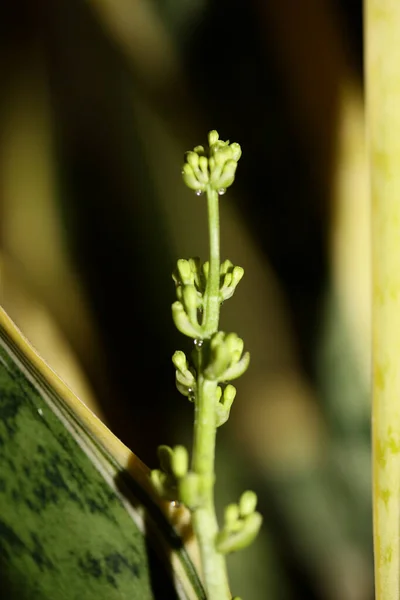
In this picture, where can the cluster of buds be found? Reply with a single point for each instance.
(241, 524)
(230, 275)
(215, 168)
(184, 376)
(226, 358)
(224, 400)
(185, 379)
(173, 481)
(190, 279)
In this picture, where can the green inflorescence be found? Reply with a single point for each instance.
(217, 359)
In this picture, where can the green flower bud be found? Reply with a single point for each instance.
(190, 298)
(227, 176)
(220, 362)
(231, 280)
(196, 270)
(237, 275)
(229, 395)
(226, 266)
(157, 479)
(220, 357)
(185, 272)
(192, 158)
(191, 180)
(179, 361)
(191, 301)
(236, 370)
(213, 137)
(231, 514)
(225, 405)
(236, 151)
(179, 461)
(165, 457)
(164, 485)
(183, 323)
(203, 164)
(227, 280)
(235, 345)
(185, 380)
(247, 503)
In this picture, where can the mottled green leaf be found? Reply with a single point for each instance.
(77, 516)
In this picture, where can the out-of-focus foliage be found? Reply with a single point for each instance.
(79, 517)
(99, 101)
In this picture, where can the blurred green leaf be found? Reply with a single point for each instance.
(74, 521)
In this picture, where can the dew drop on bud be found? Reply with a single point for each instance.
(199, 192)
(198, 343)
(221, 191)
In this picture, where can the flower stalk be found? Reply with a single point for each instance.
(217, 358)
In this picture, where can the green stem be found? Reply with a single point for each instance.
(204, 517)
(205, 427)
(212, 304)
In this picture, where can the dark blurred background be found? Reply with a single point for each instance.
(99, 100)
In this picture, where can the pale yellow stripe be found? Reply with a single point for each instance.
(383, 122)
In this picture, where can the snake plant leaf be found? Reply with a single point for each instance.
(78, 517)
